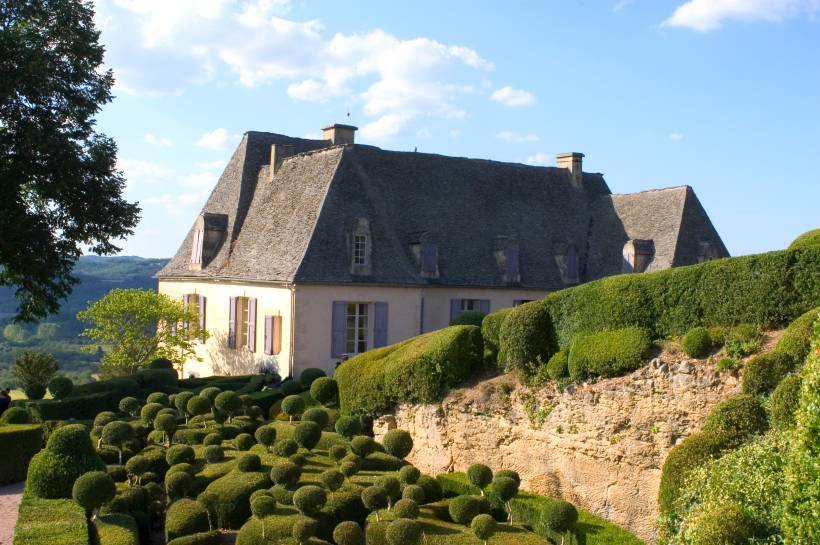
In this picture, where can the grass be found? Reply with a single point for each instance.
(117, 529)
(592, 530)
(50, 522)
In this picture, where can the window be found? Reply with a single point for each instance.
(360, 249)
(471, 305)
(242, 323)
(198, 302)
(356, 331)
(242, 311)
(273, 335)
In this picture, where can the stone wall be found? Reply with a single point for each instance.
(600, 446)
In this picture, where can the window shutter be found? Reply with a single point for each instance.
(252, 325)
(196, 247)
(268, 335)
(455, 309)
(337, 342)
(380, 326)
(232, 323)
(429, 258)
(277, 335)
(484, 306)
(202, 313)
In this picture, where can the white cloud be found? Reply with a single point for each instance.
(621, 5)
(217, 139)
(384, 128)
(199, 180)
(512, 136)
(158, 140)
(539, 159)
(139, 173)
(706, 15)
(212, 165)
(675, 136)
(511, 97)
(177, 203)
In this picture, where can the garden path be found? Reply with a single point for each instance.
(10, 497)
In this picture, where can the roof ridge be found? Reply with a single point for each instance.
(652, 190)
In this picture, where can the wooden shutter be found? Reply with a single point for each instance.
(429, 258)
(252, 324)
(268, 347)
(338, 323)
(202, 313)
(196, 247)
(380, 325)
(277, 335)
(232, 323)
(455, 309)
(484, 306)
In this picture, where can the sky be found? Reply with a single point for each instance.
(721, 95)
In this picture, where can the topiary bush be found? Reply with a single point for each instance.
(483, 526)
(398, 443)
(796, 340)
(348, 533)
(292, 406)
(229, 402)
(213, 454)
(177, 484)
(764, 372)
(117, 434)
(409, 474)
(526, 339)
(213, 438)
(691, 453)
(469, 317)
(286, 447)
(160, 363)
(91, 490)
(248, 462)
(608, 353)
(309, 499)
(557, 366)
(15, 415)
(243, 441)
(406, 508)
(317, 415)
(374, 498)
(129, 406)
(463, 509)
(432, 488)
(413, 492)
(559, 516)
(307, 434)
(325, 390)
(348, 426)
(290, 387)
(737, 419)
(149, 412)
(304, 529)
(490, 330)
(179, 454)
(480, 476)
(310, 374)
(68, 454)
(185, 517)
(265, 436)
(403, 532)
(785, 401)
(362, 446)
(808, 240)
(158, 397)
(285, 473)
(742, 340)
(725, 524)
(60, 386)
(697, 343)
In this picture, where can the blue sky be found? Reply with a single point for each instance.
(722, 95)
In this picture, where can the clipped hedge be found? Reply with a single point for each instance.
(234, 491)
(79, 407)
(737, 419)
(527, 338)
(765, 289)
(202, 538)
(50, 522)
(697, 343)
(764, 372)
(558, 365)
(796, 340)
(809, 239)
(117, 529)
(68, 454)
(185, 517)
(490, 330)
(688, 455)
(418, 370)
(785, 401)
(20, 443)
(608, 353)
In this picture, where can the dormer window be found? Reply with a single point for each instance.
(360, 246)
(506, 257)
(566, 258)
(208, 234)
(637, 254)
(360, 249)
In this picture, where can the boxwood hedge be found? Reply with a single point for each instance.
(526, 339)
(117, 529)
(185, 517)
(796, 340)
(234, 491)
(418, 370)
(50, 522)
(608, 353)
(20, 443)
(688, 455)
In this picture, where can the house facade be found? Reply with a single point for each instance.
(308, 251)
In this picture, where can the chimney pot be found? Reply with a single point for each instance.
(339, 134)
(574, 162)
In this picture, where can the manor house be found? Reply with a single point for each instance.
(308, 251)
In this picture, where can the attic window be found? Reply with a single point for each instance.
(360, 249)
(637, 254)
(360, 246)
(208, 234)
(506, 257)
(566, 259)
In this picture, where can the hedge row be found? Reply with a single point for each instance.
(609, 353)
(50, 522)
(20, 442)
(82, 408)
(234, 491)
(418, 370)
(764, 289)
(117, 529)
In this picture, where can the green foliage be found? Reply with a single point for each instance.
(20, 443)
(375, 497)
(469, 317)
(432, 488)
(117, 433)
(117, 529)
(158, 397)
(265, 436)
(127, 321)
(93, 489)
(248, 462)
(349, 468)
(290, 387)
(180, 454)
(303, 529)
(801, 526)
(691, 453)
(285, 473)
(213, 438)
(68, 454)
(197, 405)
(348, 533)
(213, 537)
(15, 415)
(233, 493)
(796, 340)
(210, 393)
(737, 419)
(307, 376)
(177, 484)
(129, 405)
(609, 353)
(229, 402)
(325, 390)
(418, 370)
(286, 447)
(160, 363)
(332, 479)
(463, 509)
(785, 401)
(185, 517)
(726, 364)
(480, 476)
(742, 340)
(526, 339)
(317, 415)
(32, 371)
(724, 524)
(809, 239)
(309, 499)
(348, 426)
(362, 445)
(307, 434)
(490, 330)
(293, 405)
(483, 526)
(406, 508)
(765, 371)
(60, 386)
(413, 492)
(213, 454)
(398, 443)
(409, 474)
(697, 343)
(403, 532)
(50, 522)
(559, 516)
(243, 441)
(558, 365)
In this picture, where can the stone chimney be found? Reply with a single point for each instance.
(339, 135)
(278, 153)
(574, 162)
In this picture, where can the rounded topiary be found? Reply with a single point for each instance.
(177, 484)
(406, 508)
(349, 468)
(362, 446)
(480, 476)
(180, 401)
(265, 436)
(409, 474)
(197, 406)
(809, 239)
(559, 516)
(68, 454)
(34, 391)
(303, 529)
(158, 397)
(185, 517)
(214, 438)
(526, 338)
(161, 363)
(557, 365)
(117, 433)
(60, 386)
(167, 424)
(210, 393)
(248, 462)
(129, 406)
(290, 387)
(463, 509)
(469, 317)
(213, 454)
(316, 414)
(117, 473)
(228, 402)
(310, 374)
(309, 499)
(104, 418)
(281, 494)
(243, 441)
(91, 490)
(220, 416)
(403, 532)
(413, 492)
(285, 473)
(393, 487)
(15, 415)
(286, 447)
(348, 533)
(337, 452)
(737, 419)
(785, 400)
(179, 454)
(332, 479)
(184, 467)
(398, 443)
(263, 505)
(149, 412)
(697, 343)
(325, 390)
(725, 524)
(764, 372)
(292, 406)
(375, 497)
(483, 526)
(695, 451)
(298, 459)
(136, 466)
(307, 434)
(348, 426)
(509, 473)
(796, 340)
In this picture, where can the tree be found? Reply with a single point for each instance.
(91, 490)
(32, 371)
(61, 188)
(116, 434)
(229, 402)
(140, 326)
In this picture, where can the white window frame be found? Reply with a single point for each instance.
(360, 249)
(357, 337)
(470, 305)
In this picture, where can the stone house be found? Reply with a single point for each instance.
(311, 250)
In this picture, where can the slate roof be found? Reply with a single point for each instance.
(295, 226)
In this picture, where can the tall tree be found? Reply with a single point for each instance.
(59, 186)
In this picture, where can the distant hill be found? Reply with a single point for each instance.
(59, 333)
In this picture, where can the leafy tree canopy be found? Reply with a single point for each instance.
(59, 186)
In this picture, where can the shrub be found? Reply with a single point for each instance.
(60, 386)
(697, 343)
(693, 452)
(737, 419)
(332, 479)
(309, 499)
(348, 426)
(290, 387)
(725, 524)
(609, 353)
(298, 459)
(15, 415)
(248, 462)
(117, 433)
(317, 415)
(796, 340)
(409, 474)
(68, 454)
(337, 453)
(160, 363)
(764, 371)
(177, 484)
(213, 438)
(413, 492)
(185, 517)
(167, 424)
(158, 397)
(233, 492)
(510, 474)
(463, 509)
(265, 436)
(213, 537)
(349, 469)
(136, 466)
(527, 338)
(303, 529)
(406, 508)
(179, 454)
(479, 476)
(183, 467)
(362, 446)
(307, 434)
(243, 441)
(504, 489)
(286, 447)
(197, 406)
(228, 402)
(324, 390)
(263, 506)
(403, 532)
(293, 405)
(129, 406)
(375, 497)
(210, 393)
(559, 516)
(432, 488)
(307, 376)
(20, 442)
(32, 371)
(392, 485)
(348, 533)
(742, 340)
(483, 527)
(490, 330)
(213, 454)
(809, 239)
(785, 400)
(726, 364)
(469, 317)
(557, 366)
(418, 370)
(398, 443)
(156, 379)
(93, 489)
(285, 473)
(149, 412)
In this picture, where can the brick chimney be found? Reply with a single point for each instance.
(574, 162)
(339, 134)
